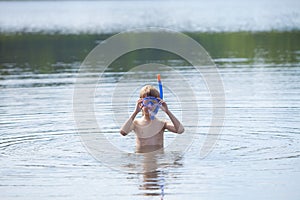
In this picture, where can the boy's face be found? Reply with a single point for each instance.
(145, 110)
(150, 105)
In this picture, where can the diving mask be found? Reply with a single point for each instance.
(152, 104)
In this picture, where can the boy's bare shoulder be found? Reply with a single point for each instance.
(137, 121)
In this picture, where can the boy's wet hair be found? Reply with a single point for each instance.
(149, 90)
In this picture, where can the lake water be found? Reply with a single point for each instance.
(257, 155)
(116, 16)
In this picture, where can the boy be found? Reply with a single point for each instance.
(150, 133)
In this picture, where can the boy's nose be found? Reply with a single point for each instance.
(145, 109)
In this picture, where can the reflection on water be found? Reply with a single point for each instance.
(153, 184)
(258, 154)
(153, 179)
(153, 174)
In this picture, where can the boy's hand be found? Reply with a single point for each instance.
(138, 106)
(164, 105)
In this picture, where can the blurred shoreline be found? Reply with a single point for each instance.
(54, 52)
(52, 35)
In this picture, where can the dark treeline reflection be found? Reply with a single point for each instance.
(51, 53)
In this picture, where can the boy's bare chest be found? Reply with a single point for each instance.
(150, 129)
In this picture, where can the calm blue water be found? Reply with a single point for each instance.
(257, 155)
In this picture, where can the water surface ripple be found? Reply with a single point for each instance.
(258, 151)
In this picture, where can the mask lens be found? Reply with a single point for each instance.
(150, 102)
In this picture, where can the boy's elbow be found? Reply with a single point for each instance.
(180, 130)
(123, 133)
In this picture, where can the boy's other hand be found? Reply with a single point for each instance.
(139, 105)
(164, 105)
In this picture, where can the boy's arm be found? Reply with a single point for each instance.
(175, 126)
(128, 125)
